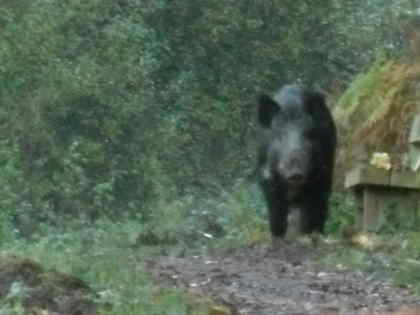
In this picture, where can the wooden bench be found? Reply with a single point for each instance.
(384, 195)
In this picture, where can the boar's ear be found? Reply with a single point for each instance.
(320, 112)
(267, 109)
(316, 103)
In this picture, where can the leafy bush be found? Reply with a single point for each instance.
(12, 202)
(108, 107)
(235, 216)
(101, 255)
(341, 213)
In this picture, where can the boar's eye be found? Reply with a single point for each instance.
(315, 103)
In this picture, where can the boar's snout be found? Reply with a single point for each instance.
(296, 180)
(294, 169)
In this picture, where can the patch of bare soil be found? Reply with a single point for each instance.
(42, 291)
(260, 281)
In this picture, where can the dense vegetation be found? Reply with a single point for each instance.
(109, 106)
(143, 111)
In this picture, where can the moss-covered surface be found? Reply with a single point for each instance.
(26, 283)
(377, 110)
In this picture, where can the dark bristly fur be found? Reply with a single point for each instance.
(296, 157)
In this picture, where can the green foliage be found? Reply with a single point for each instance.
(14, 309)
(242, 214)
(341, 213)
(102, 255)
(111, 107)
(352, 106)
(109, 254)
(408, 274)
(395, 256)
(129, 123)
(11, 182)
(235, 216)
(407, 260)
(79, 125)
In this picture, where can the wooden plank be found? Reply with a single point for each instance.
(372, 210)
(414, 136)
(405, 180)
(415, 140)
(367, 175)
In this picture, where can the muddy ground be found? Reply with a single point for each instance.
(258, 280)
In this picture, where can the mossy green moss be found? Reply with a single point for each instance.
(361, 98)
(377, 109)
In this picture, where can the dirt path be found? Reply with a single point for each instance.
(259, 281)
